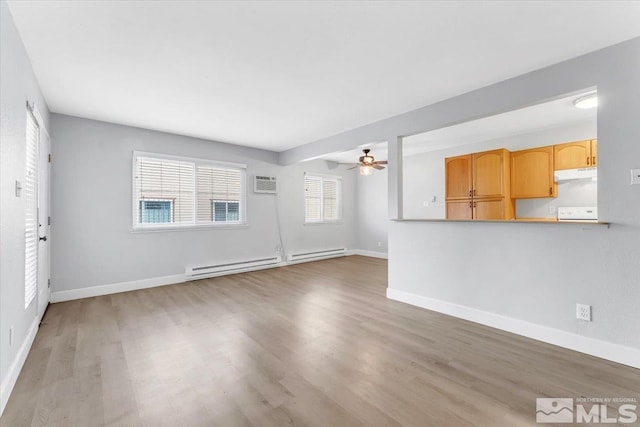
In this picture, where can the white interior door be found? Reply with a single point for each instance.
(43, 294)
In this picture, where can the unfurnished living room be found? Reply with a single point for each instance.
(319, 213)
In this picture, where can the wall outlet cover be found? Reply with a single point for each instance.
(635, 176)
(583, 312)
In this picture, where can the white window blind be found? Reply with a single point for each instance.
(322, 198)
(312, 198)
(216, 188)
(178, 192)
(168, 181)
(30, 192)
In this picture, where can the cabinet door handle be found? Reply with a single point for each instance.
(471, 204)
(593, 161)
(588, 159)
(475, 205)
(474, 191)
(551, 191)
(470, 193)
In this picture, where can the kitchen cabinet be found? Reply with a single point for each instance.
(489, 173)
(489, 209)
(460, 209)
(477, 209)
(471, 179)
(532, 173)
(458, 177)
(573, 155)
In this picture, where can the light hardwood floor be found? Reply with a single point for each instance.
(314, 344)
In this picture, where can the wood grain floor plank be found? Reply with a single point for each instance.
(312, 344)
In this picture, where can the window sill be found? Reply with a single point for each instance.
(136, 230)
(336, 221)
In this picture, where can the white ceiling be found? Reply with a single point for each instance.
(276, 75)
(554, 114)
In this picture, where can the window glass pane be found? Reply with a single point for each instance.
(156, 211)
(233, 211)
(220, 211)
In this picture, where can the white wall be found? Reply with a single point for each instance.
(17, 85)
(535, 273)
(372, 221)
(423, 174)
(92, 241)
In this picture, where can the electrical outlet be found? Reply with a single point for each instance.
(425, 204)
(11, 336)
(583, 312)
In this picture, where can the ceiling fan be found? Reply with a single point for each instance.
(367, 163)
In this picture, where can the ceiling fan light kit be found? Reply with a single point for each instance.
(366, 170)
(367, 163)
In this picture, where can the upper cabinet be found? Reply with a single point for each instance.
(472, 179)
(573, 155)
(458, 177)
(490, 173)
(532, 173)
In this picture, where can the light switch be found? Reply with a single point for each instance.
(635, 176)
(425, 204)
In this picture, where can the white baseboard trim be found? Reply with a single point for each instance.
(614, 352)
(372, 254)
(115, 288)
(135, 285)
(14, 371)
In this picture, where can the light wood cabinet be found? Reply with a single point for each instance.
(472, 178)
(532, 173)
(489, 209)
(458, 177)
(460, 209)
(489, 173)
(572, 155)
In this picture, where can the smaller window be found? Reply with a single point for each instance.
(323, 199)
(226, 211)
(156, 211)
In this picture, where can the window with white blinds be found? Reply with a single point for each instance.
(30, 192)
(175, 192)
(322, 198)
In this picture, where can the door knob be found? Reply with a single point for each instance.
(43, 238)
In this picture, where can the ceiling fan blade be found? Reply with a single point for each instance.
(381, 162)
(353, 167)
(378, 167)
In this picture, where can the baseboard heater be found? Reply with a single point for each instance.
(203, 271)
(329, 253)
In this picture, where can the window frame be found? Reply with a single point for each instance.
(323, 178)
(194, 224)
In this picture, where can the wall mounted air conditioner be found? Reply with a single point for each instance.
(264, 184)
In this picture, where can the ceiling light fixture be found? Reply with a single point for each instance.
(366, 170)
(587, 101)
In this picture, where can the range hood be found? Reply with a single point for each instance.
(572, 174)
